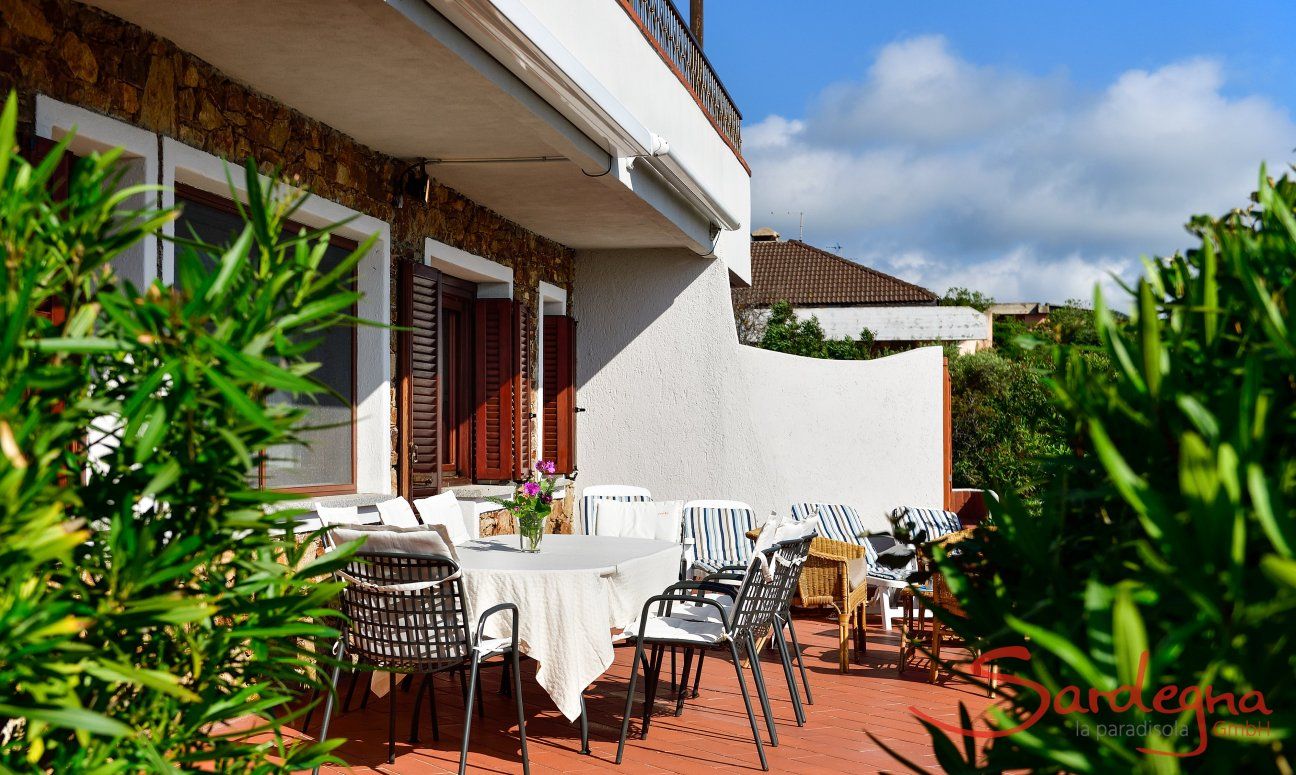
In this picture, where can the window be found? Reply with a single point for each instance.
(325, 464)
(458, 316)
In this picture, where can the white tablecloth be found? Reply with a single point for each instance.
(570, 596)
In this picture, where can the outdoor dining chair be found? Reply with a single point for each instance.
(733, 629)
(404, 612)
(791, 545)
(617, 492)
(718, 530)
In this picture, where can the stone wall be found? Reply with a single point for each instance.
(85, 57)
(88, 58)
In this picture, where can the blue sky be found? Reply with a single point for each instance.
(1026, 148)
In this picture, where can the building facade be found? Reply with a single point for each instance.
(560, 200)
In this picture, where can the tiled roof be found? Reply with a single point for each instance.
(801, 274)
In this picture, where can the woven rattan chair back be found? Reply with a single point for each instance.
(405, 612)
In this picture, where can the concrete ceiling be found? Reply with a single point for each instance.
(367, 70)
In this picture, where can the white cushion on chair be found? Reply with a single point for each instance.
(674, 628)
(443, 509)
(424, 539)
(660, 520)
(397, 513)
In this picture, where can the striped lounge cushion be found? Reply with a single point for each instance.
(838, 522)
(587, 508)
(719, 535)
(931, 523)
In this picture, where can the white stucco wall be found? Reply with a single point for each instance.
(865, 433)
(609, 45)
(673, 402)
(902, 324)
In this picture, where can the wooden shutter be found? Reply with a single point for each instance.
(419, 370)
(496, 375)
(559, 442)
(523, 390)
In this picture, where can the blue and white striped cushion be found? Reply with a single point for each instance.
(933, 523)
(719, 535)
(587, 508)
(836, 521)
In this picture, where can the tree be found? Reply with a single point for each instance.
(146, 604)
(1164, 553)
(785, 333)
(963, 297)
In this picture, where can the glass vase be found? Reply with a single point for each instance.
(531, 531)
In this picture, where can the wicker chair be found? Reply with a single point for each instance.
(405, 613)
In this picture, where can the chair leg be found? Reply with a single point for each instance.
(328, 701)
(432, 708)
(843, 641)
(364, 698)
(935, 650)
(796, 646)
(651, 680)
(751, 716)
(584, 727)
(682, 690)
(355, 679)
(697, 677)
(629, 704)
(391, 718)
(504, 678)
(885, 600)
(672, 671)
(762, 692)
(521, 712)
(781, 646)
(467, 732)
(305, 730)
(418, 703)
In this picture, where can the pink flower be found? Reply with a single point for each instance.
(546, 466)
(531, 488)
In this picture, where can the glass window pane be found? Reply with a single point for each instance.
(325, 459)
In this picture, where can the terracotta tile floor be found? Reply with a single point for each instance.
(711, 736)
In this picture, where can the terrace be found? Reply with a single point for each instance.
(712, 735)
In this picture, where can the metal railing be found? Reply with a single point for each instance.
(662, 20)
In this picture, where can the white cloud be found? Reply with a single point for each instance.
(1023, 186)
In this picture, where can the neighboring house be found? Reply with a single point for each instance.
(847, 297)
(524, 164)
(1029, 312)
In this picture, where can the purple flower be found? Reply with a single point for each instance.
(546, 466)
(546, 499)
(531, 488)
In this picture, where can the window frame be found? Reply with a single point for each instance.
(186, 192)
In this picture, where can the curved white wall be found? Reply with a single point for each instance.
(865, 433)
(673, 402)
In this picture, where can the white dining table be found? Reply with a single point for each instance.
(571, 597)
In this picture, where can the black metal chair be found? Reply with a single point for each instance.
(405, 613)
(730, 628)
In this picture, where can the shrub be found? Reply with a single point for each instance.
(1163, 555)
(146, 604)
(1004, 422)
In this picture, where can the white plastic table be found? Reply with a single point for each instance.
(570, 595)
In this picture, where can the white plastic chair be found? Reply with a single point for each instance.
(617, 492)
(444, 509)
(397, 513)
(715, 533)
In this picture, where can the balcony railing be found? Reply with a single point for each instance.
(666, 28)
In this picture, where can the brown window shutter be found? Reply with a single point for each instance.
(496, 375)
(523, 390)
(560, 392)
(419, 383)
